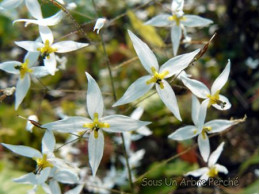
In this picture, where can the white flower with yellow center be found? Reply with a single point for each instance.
(178, 21)
(200, 128)
(95, 125)
(24, 70)
(199, 89)
(213, 168)
(47, 48)
(157, 76)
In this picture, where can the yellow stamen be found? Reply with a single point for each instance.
(177, 19)
(96, 125)
(24, 68)
(204, 131)
(214, 99)
(43, 162)
(157, 78)
(213, 172)
(46, 50)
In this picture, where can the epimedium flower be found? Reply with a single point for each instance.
(200, 128)
(213, 167)
(157, 76)
(25, 70)
(47, 48)
(178, 21)
(95, 125)
(199, 89)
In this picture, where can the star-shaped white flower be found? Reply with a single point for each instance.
(24, 70)
(178, 21)
(95, 125)
(201, 128)
(157, 76)
(48, 49)
(213, 168)
(199, 89)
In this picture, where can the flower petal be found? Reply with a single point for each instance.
(144, 131)
(29, 45)
(196, 87)
(161, 20)
(43, 176)
(195, 21)
(176, 37)
(10, 4)
(50, 21)
(144, 53)
(68, 125)
(121, 123)
(177, 64)
(40, 71)
(219, 125)
(29, 178)
(135, 91)
(32, 58)
(137, 113)
(94, 98)
(23, 150)
(22, 88)
(50, 63)
(221, 79)
(9, 67)
(195, 109)
(34, 8)
(202, 114)
(204, 146)
(203, 179)
(215, 155)
(184, 133)
(177, 6)
(65, 176)
(198, 172)
(54, 187)
(46, 34)
(168, 97)
(221, 168)
(67, 46)
(48, 142)
(95, 150)
(225, 100)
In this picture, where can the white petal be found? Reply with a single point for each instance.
(23, 150)
(195, 21)
(29, 125)
(221, 168)
(29, 178)
(177, 64)
(50, 21)
(50, 63)
(221, 79)
(68, 125)
(196, 87)
(95, 150)
(75, 190)
(135, 91)
(184, 133)
(10, 67)
(22, 88)
(48, 142)
(195, 109)
(40, 71)
(168, 97)
(34, 8)
(137, 113)
(94, 98)
(223, 99)
(176, 37)
(46, 34)
(202, 114)
(198, 172)
(99, 24)
(10, 4)
(144, 53)
(43, 176)
(159, 21)
(219, 125)
(32, 58)
(29, 45)
(215, 155)
(204, 146)
(177, 5)
(67, 46)
(54, 187)
(65, 176)
(203, 179)
(120, 123)
(144, 131)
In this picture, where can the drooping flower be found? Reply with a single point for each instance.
(47, 48)
(200, 128)
(178, 21)
(199, 89)
(157, 76)
(99, 24)
(24, 70)
(95, 125)
(213, 168)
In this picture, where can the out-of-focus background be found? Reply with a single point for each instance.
(236, 25)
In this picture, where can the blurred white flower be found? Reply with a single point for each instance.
(29, 125)
(99, 24)
(252, 63)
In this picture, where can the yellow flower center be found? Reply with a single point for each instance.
(157, 78)
(43, 162)
(214, 99)
(213, 172)
(177, 19)
(204, 131)
(96, 125)
(46, 50)
(23, 68)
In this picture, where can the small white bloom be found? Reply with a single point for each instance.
(99, 24)
(29, 125)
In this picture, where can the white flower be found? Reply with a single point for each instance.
(99, 24)
(213, 168)
(178, 21)
(11, 4)
(95, 125)
(24, 70)
(48, 49)
(157, 76)
(29, 125)
(201, 90)
(201, 128)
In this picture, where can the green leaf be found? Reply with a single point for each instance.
(252, 188)
(252, 160)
